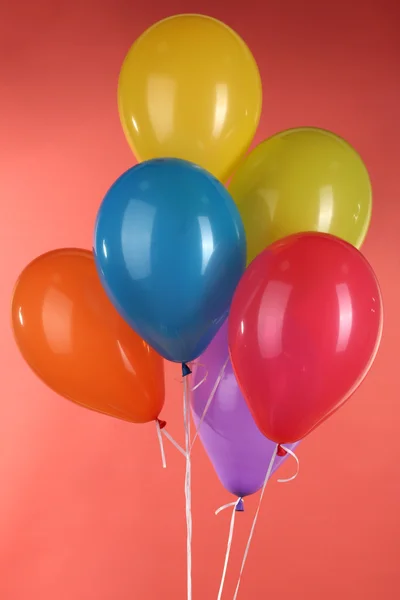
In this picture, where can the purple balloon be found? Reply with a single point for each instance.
(237, 449)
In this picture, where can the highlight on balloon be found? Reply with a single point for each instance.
(258, 289)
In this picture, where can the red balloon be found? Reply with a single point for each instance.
(304, 329)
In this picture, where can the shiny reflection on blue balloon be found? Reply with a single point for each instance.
(170, 249)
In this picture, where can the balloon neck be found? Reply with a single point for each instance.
(281, 451)
(185, 370)
(161, 423)
(239, 505)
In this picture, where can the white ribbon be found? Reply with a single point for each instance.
(188, 476)
(204, 378)
(293, 455)
(187, 453)
(229, 544)
(268, 475)
(271, 464)
(160, 441)
(173, 442)
(168, 435)
(210, 399)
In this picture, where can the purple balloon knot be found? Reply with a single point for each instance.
(240, 505)
(185, 370)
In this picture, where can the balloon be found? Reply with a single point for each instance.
(302, 180)
(304, 329)
(170, 249)
(190, 88)
(72, 337)
(238, 451)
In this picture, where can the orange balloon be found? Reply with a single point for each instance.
(73, 338)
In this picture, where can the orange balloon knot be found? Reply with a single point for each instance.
(161, 423)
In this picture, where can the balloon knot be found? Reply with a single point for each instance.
(161, 423)
(281, 451)
(240, 505)
(185, 370)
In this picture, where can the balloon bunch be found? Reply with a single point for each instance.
(263, 282)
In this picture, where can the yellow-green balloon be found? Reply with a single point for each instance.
(303, 179)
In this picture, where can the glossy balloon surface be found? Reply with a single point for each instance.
(73, 338)
(170, 249)
(190, 88)
(304, 329)
(239, 452)
(303, 179)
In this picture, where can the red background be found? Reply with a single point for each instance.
(86, 512)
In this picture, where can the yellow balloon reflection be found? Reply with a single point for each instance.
(190, 88)
(303, 179)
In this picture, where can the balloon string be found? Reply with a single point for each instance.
(197, 364)
(186, 418)
(169, 437)
(204, 378)
(229, 544)
(160, 441)
(271, 464)
(293, 455)
(210, 399)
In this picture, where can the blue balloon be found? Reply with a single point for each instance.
(170, 249)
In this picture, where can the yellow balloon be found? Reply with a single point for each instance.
(304, 179)
(190, 88)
